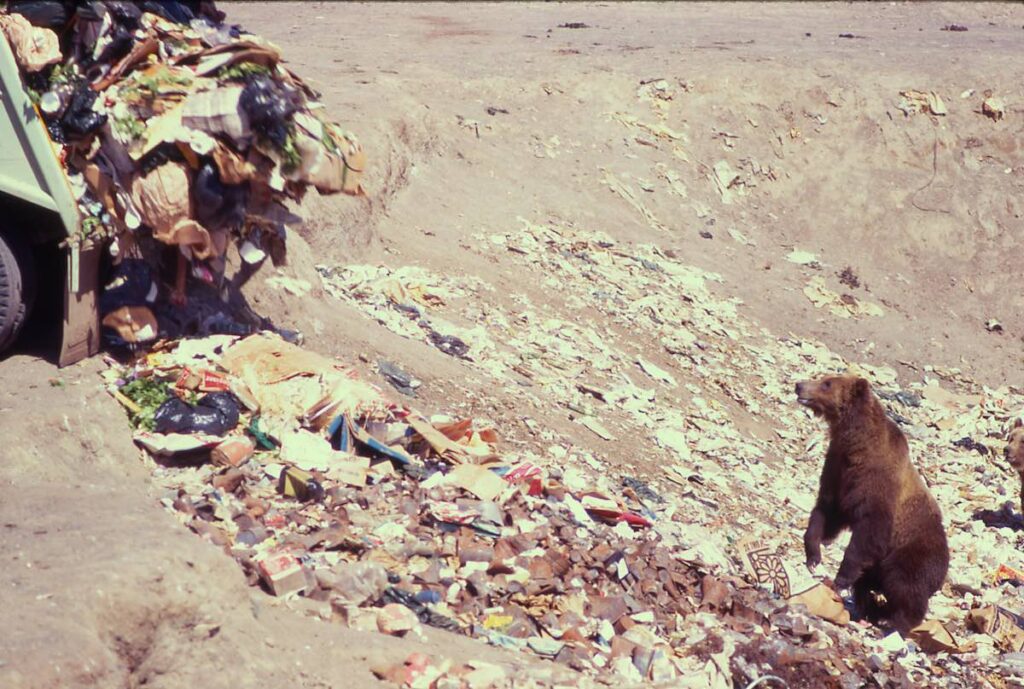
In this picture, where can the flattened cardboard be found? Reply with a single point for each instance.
(481, 482)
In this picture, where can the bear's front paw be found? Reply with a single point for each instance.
(813, 559)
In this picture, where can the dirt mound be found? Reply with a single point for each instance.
(337, 227)
(635, 130)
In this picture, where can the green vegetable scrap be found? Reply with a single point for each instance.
(63, 74)
(291, 156)
(145, 86)
(92, 227)
(242, 71)
(129, 127)
(147, 393)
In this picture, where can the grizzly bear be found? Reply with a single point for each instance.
(1014, 454)
(897, 546)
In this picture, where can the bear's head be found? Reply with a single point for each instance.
(831, 397)
(1014, 451)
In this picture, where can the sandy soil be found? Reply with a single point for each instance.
(103, 588)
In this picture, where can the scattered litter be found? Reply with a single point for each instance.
(741, 238)
(1004, 626)
(848, 277)
(913, 102)
(1006, 573)
(531, 542)
(595, 426)
(933, 637)
(656, 372)
(623, 190)
(282, 573)
(994, 108)
(843, 306)
(802, 258)
(971, 445)
(727, 181)
(399, 379)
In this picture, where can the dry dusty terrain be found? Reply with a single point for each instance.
(477, 116)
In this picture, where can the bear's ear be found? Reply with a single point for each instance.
(1018, 423)
(861, 388)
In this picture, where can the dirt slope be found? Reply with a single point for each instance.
(923, 209)
(104, 589)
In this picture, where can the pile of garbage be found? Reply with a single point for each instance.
(176, 130)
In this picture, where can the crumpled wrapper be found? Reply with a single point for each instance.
(163, 201)
(34, 47)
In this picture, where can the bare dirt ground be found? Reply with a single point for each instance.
(474, 115)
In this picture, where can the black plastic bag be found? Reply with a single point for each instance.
(131, 284)
(269, 107)
(217, 204)
(173, 416)
(50, 14)
(111, 24)
(122, 40)
(127, 14)
(215, 414)
(449, 344)
(79, 119)
(160, 155)
(184, 11)
(422, 611)
(170, 10)
(223, 402)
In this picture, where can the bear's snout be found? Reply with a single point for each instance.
(1012, 459)
(802, 390)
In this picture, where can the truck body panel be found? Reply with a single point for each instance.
(31, 171)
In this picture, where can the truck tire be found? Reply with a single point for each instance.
(17, 287)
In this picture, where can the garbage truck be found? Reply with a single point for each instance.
(38, 209)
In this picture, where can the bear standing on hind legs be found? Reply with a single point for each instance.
(898, 546)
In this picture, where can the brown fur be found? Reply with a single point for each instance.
(1014, 454)
(898, 546)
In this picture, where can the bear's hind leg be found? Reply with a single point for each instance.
(911, 574)
(906, 594)
(907, 614)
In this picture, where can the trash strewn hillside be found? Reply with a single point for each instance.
(368, 512)
(556, 441)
